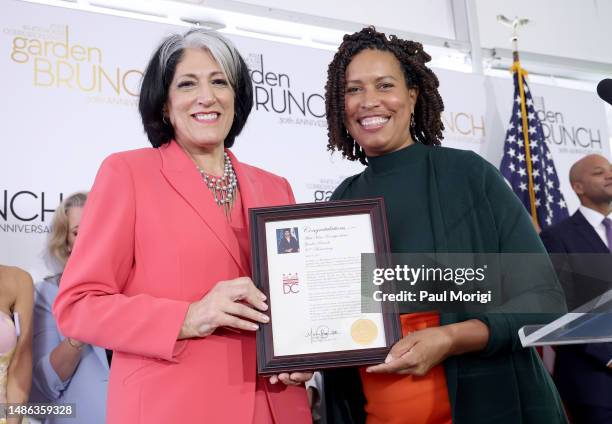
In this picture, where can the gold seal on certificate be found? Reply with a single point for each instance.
(307, 260)
(364, 331)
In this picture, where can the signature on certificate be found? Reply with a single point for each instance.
(320, 334)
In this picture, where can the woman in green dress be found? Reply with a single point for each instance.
(384, 110)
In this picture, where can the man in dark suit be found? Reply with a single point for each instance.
(581, 252)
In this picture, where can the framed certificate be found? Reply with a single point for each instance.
(307, 261)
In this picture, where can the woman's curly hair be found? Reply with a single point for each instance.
(427, 124)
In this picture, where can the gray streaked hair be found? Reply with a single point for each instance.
(160, 71)
(221, 50)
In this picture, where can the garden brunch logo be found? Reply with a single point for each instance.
(273, 92)
(59, 61)
(464, 124)
(566, 136)
(27, 211)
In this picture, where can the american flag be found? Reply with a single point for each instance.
(531, 172)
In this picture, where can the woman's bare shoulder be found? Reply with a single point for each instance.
(15, 281)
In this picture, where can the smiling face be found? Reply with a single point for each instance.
(377, 104)
(200, 103)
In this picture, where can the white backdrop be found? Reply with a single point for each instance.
(70, 82)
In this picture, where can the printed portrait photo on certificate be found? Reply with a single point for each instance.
(288, 240)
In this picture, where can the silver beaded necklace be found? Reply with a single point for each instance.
(223, 188)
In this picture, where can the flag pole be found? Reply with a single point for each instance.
(516, 68)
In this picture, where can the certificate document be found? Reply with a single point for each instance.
(307, 260)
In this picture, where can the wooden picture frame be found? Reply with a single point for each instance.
(311, 332)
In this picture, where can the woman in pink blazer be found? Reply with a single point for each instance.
(160, 271)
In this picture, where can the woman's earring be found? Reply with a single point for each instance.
(164, 120)
(412, 123)
(349, 137)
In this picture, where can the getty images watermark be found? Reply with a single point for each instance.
(460, 282)
(423, 274)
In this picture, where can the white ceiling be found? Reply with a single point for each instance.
(564, 39)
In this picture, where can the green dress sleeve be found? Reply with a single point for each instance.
(533, 293)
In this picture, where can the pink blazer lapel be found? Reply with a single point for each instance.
(182, 174)
(252, 194)
(251, 190)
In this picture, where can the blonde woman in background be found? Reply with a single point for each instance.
(66, 371)
(16, 298)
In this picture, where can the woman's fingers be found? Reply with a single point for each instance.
(407, 362)
(234, 303)
(243, 311)
(234, 322)
(293, 379)
(300, 377)
(416, 353)
(244, 289)
(398, 357)
(403, 345)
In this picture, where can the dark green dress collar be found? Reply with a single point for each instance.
(396, 160)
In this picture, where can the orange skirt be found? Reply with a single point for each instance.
(398, 399)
